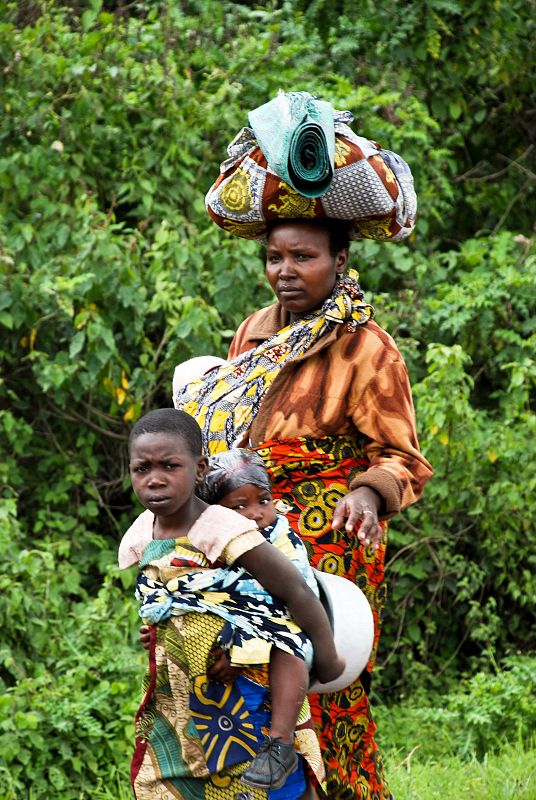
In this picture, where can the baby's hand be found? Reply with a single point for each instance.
(222, 671)
(327, 670)
(145, 636)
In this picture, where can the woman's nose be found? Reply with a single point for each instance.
(286, 269)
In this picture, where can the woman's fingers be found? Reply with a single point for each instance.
(370, 532)
(356, 511)
(347, 513)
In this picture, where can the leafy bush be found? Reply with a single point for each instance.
(115, 118)
(463, 563)
(70, 667)
(486, 713)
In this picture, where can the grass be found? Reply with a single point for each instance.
(476, 741)
(509, 775)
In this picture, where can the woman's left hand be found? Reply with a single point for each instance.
(360, 506)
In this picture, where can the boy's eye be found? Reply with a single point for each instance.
(171, 466)
(238, 507)
(264, 501)
(142, 468)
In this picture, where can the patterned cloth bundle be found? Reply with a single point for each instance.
(300, 159)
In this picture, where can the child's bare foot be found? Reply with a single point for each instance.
(327, 670)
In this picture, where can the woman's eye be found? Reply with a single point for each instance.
(303, 257)
(238, 507)
(264, 501)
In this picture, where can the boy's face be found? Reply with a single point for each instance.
(252, 502)
(164, 472)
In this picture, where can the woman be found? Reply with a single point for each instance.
(321, 392)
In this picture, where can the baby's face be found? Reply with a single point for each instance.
(252, 502)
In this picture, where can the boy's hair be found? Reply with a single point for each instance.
(173, 422)
(231, 470)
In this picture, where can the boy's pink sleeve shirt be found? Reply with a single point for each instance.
(136, 540)
(216, 528)
(212, 533)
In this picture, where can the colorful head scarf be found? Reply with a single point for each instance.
(231, 470)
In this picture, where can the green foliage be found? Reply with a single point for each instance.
(512, 773)
(114, 120)
(464, 554)
(486, 713)
(68, 666)
(473, 67)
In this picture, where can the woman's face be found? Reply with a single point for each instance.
(300, 267)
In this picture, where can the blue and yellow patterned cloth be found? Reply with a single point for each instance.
(255, 620)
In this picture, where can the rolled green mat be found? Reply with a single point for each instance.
(296, 134)
(309, 168)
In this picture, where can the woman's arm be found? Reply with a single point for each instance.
(280, 577)
(383, 413)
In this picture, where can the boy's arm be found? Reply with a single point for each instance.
(280, 577)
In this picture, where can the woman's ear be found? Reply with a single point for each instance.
(341, 260)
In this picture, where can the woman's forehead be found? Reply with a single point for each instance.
(298, 233)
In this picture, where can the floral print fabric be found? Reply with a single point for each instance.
(310, 476)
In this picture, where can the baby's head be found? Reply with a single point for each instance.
(238, 479)
(166, 460)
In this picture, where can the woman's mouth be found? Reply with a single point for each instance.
(288, 291)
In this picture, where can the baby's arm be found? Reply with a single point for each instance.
(280, 577)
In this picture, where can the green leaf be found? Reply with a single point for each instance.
(77, 343)
(6, 319)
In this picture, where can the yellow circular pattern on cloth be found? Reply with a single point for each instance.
(236, 194)
(313, 521)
